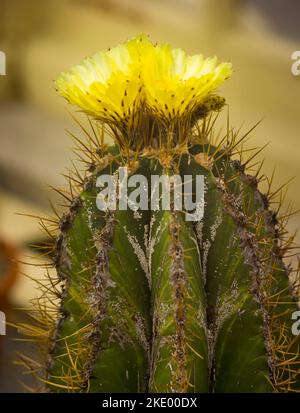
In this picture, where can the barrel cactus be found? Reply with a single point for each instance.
(181, 292)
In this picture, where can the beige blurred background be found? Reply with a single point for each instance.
(41, 38)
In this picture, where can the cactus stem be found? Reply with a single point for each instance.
(183, 346)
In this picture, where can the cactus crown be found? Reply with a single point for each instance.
(145, 300)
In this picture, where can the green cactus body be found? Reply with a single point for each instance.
(153, 302)
(150, 300)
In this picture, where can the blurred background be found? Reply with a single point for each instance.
(41, 38)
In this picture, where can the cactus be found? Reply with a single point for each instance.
(146, 300)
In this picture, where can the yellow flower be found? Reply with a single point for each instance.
(175, 84)
(108, 85)
(114, 86)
